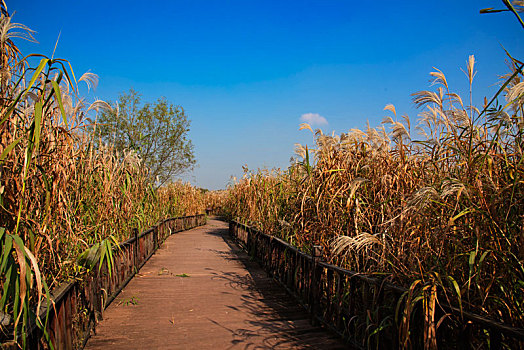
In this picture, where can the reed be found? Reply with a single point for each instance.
(214, 200)
(438, 211)
(60, 191)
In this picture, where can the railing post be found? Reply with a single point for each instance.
(314, 299)
(249, 238)
(135, 248)
(155, 238)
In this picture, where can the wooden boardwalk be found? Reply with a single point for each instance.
(201, 291)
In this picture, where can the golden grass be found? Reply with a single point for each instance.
(59, 193)
(381, 202)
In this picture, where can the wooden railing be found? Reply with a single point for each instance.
(365, 310)
(78, 305)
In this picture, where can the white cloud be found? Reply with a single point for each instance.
(313, 119)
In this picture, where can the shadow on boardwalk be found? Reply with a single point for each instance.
(227, 302)
(255, 288)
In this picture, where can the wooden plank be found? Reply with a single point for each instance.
(227, 301)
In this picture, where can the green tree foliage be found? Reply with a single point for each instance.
(157, 132)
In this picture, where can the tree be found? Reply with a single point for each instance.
(157, 132)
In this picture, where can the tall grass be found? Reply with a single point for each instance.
(214, 200)
(59, 194)
(444, 209)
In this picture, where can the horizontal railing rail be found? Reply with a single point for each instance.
(361, 308)
(78, 305)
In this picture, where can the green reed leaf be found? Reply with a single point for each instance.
(58, 97)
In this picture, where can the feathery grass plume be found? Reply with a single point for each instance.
(422, 98)
(305, 126)
(357, 243)
(453, 187)
(8, 31)
(356, 136)
(300, 150)
(355, 184)
(391, 108)
(515, 95)
(421, 199)
(399, 131)
(470, 69)
(440, 78)
(458, 117)
(90, 79)
(99, 105)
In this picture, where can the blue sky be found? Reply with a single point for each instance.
(245, 71)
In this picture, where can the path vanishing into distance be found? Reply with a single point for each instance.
(201, 291)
